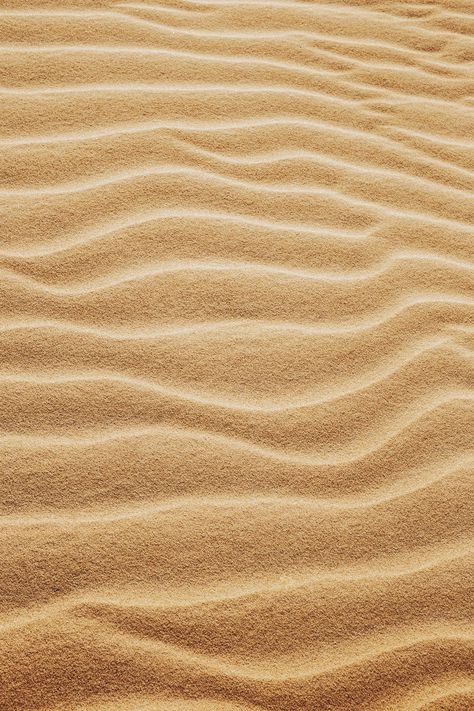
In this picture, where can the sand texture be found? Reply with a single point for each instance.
(236, 355)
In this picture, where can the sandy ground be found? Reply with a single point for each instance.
(236, 371)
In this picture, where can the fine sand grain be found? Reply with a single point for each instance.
(237, 355)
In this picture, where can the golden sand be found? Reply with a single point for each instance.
(236, 337)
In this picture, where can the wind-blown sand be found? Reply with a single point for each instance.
(236, 337)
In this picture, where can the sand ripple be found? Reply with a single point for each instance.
(237, 355)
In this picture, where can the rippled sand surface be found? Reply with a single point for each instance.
(236, 372)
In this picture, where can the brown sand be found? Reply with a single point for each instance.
(236, 337)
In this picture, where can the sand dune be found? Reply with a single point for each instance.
(237, 355)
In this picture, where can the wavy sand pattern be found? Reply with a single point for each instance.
(237, 355)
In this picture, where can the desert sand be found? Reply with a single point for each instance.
(237, 338)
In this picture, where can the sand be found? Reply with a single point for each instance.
(236, 338)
